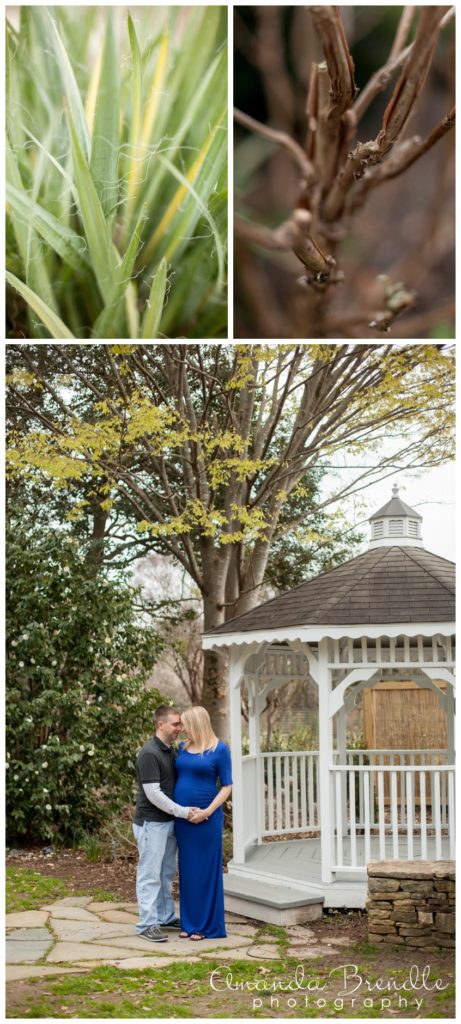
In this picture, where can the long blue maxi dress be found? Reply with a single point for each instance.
(201, 893)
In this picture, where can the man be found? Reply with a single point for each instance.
(153, 827)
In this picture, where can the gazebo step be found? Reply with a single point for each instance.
(276, 904)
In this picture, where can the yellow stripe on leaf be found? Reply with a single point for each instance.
(90, 104)
(152, 105)
(179, 195)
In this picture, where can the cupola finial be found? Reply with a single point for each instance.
(395, 490)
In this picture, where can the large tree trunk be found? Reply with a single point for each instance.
(215, 691)
(215, 663)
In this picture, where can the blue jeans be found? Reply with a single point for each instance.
(156, 870)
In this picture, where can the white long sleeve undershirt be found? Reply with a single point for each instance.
(162, 801)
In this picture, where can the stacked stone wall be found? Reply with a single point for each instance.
(412, 903)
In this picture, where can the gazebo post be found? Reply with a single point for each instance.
(325, 761)
(341, 743)
(235, 678)
(450, 724)
(254, 736)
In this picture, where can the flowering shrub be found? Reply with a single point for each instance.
(77, 707)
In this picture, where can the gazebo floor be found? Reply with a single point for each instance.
(297, 863)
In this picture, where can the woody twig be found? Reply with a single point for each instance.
(336, 91)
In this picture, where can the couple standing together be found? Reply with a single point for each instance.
(179, 810)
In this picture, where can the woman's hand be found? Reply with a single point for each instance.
(199, 816)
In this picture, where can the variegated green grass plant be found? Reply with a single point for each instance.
(116, 159)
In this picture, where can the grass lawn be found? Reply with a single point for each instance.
(29, 890)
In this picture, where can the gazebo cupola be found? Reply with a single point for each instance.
(396, 523)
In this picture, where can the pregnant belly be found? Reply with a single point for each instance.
(196, 795)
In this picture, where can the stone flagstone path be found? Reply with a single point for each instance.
(76, 934)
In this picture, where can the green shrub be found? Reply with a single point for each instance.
(116, 172)
(77, 707)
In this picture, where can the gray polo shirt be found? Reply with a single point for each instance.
(154, 763)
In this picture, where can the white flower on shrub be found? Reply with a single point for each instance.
(48, 807)
(44, 764)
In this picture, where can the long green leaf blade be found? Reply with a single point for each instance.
(195, 205)
(52, 322)
(153, 314)
(69, 246)
(35, 269)
(136, 103)
(105, 145)
(106, 324)
(94, 222)
(69, 84)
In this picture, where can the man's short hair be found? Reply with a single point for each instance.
(163, 713)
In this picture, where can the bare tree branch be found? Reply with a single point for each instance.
(281, 139)
(380, 80)
(336, 91)
(403, 29)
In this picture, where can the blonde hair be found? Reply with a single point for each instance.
(198, 724)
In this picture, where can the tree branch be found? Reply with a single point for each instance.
(411, 150)
(412, 78)
(281, 139)
(336, 91)
(380, 80)
(399, 108)
(403, 29)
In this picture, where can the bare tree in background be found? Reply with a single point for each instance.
(338, 169)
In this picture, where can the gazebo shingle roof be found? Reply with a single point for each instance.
(388, 584)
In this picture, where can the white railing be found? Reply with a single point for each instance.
(284, 788)
(415, 821)
(249, 797)
(289, 794)
(392, 758)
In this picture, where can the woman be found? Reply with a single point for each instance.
(202, 760)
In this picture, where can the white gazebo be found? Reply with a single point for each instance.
(306, 823)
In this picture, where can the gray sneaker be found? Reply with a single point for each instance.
(154, 934)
